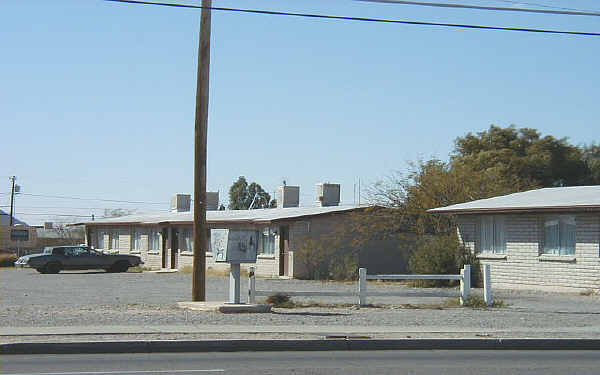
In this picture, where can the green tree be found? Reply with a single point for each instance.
(426, 185)
(524, 154)
(242, 194)
(591, 155)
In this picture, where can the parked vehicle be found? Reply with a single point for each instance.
(56, 259)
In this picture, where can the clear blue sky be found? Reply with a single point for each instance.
(97, 98)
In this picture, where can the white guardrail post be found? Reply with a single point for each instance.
(362, 286)
(465, 283)
(487, 285)
(251, 285)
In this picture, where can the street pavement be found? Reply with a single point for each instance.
(311, 363)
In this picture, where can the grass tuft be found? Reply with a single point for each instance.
(587, 292)
(476, 302)
(281, 300)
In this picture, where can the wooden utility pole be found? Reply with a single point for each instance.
(12, 199)
(200, 132)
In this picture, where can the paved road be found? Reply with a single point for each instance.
(312, 363)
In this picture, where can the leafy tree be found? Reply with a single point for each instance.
(524, 154)
(591, 155)
(427, 185)
(241, 195)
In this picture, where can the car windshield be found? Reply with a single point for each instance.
(47, 250)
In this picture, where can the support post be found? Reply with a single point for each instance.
(465, 283)
(251, 285)
(487, 285)
(200, 135)
(234, 283)
(291, 264)
(362, 286)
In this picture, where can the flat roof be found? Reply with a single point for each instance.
(257, 216)
(574, 198)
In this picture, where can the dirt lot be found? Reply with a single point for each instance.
(30, 299)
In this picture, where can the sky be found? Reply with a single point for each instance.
(97, 98)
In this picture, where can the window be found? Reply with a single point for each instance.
(100, 240)
(186, 238)
(136, 240)
(154, 239)
(113, 239)
(266, 242)
(559, 235)
(491, 235)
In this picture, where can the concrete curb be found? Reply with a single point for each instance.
(159, 346)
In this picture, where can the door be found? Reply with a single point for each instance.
(174, 247)
(284, 250)
(164, 236)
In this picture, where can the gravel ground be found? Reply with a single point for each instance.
(30, 299)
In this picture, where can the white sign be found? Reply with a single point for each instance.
(234, 246)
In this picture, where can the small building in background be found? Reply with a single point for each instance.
(166, 240)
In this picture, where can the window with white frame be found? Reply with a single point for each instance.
(100, 240)
(154, 239)
(559, 235)
(186, 239)
(136, 239)
(113, 240)
(266, 241)
(492, 237)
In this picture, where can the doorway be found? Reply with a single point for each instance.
(164, 238)
(284, 250)
(174, 247)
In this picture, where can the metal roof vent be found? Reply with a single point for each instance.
(181, 203)
(212, 200)
(288, 196)
(328, 194)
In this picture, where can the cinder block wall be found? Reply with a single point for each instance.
(525, 267)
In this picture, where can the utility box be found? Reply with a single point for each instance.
(234, 246)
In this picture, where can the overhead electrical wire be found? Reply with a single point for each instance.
(87, 199)
(480, 7)
(48, 214)
(362, 19)
(542, 5)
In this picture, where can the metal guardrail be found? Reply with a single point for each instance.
(361, 292)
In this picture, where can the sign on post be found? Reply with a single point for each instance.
(234, 246)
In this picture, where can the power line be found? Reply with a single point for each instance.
(47, 214)
(542, 5)
(70, 208)
(88, 199)
(479, 7)
(363, 19)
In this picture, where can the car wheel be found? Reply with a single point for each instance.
(41, 270)
(52, 268)
(120, 266)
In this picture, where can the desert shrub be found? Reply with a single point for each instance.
(325, 259)
(280, 300)
(7, 260)
(442, 255)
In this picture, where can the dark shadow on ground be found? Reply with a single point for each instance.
(307, 313)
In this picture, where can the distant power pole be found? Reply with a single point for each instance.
(12, 199)
(200, 132)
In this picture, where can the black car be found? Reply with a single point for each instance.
(56, 259)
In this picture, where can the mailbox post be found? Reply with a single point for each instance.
(234, 247)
